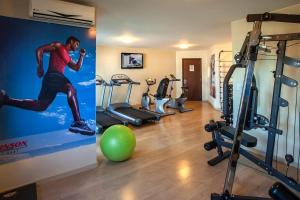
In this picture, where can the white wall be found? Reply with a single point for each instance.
(226, 56)
(46, 167)
(265, 80)
(14, 8)
(203, 54)
(158, 63)
(40, 167)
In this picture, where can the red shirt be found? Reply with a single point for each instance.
(59, 59)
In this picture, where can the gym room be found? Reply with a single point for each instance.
(136, 99)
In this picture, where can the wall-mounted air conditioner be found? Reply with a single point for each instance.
(62, 12)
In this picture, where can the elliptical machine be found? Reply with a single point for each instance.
(177, 103)
(160, 97)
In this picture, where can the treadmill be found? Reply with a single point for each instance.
(125, 110)
(105, 119)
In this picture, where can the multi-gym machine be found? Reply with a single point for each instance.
(223, 132)
(253, 119)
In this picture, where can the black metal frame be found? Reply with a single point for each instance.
(240, 63)
(222, 74)
(253, 120)
(247, 57)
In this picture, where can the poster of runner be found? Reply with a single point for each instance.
(47, 88)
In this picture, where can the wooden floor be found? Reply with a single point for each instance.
(169, 163)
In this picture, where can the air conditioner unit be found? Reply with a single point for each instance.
(62, 12)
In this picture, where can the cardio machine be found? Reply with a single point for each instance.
(177, 103)
(125, 110)
(105, 119)
(146, 99)
(161, 98)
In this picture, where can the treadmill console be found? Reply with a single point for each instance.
(119, 79)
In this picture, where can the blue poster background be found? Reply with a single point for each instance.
(43, 132)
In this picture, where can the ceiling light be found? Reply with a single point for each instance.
(127, 38)
(183, 46)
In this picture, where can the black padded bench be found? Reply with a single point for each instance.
(247, 140)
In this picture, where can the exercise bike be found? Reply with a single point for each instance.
(177, 103)
(146, 99)
(160, 98)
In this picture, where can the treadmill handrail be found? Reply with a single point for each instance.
(135, 83)
(173, 78)
(99, 80)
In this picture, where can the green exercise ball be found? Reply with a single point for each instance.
(117, 143)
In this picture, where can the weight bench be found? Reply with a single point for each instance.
(247, 140)
(219, 132)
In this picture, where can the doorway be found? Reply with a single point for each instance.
(192, 78)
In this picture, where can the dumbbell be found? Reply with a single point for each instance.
(211, 126)
(210, 145)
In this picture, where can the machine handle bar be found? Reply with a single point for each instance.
(273, 17)
(173, 78)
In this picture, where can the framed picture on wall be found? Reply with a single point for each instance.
(212, 77)
(132, 61)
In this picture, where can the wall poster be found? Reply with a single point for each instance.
(47, 88)
(212, 77)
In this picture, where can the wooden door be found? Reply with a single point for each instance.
(192, 78)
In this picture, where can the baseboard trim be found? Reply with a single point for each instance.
(70, 173)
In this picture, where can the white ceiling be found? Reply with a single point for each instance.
(164, 23)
